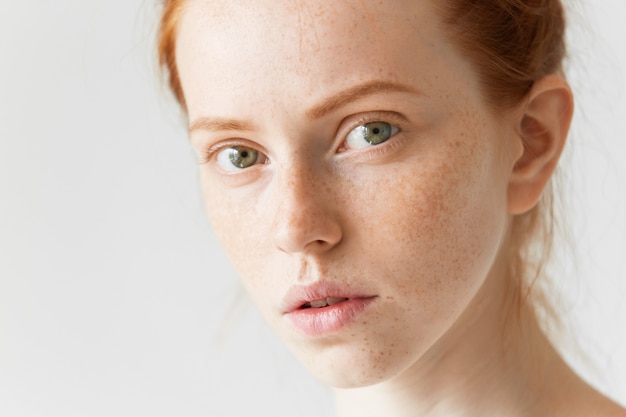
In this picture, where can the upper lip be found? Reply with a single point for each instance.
(299, 295)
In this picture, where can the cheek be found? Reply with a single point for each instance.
(460, 222)
(437, 214)
(431, 234)
(241, 220)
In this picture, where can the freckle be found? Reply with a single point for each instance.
(389, 298)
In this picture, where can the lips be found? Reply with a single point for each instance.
(324, 308)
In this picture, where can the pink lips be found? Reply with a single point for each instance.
(324, 308)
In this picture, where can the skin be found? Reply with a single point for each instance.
(421, 221)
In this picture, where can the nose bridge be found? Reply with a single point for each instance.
(301, 183)
(305, 216)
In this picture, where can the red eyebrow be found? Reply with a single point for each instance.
(219, 123)
(353, 94)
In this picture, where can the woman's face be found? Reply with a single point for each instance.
(350, 160)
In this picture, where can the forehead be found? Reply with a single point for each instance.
(305, 48)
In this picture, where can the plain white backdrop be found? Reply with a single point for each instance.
(113, 291)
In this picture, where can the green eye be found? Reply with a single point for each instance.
(369, 134)
(237, 157)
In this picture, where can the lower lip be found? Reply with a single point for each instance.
(315, 322)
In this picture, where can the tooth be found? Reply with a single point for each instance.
(318, 303)
(330, 300)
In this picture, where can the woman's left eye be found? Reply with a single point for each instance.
(370, 134)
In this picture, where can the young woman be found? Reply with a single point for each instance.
(379, 175)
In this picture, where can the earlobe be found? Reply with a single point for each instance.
(542, 127)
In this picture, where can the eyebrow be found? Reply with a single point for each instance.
(355, 93)
(219, 123)
(318, 111)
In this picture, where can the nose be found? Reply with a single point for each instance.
(306, 218)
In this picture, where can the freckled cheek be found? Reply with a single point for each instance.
(424, 226)
(410, 210)
(239, 227)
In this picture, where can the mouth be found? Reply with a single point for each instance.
(325, 308)
(320, 295)
(322, 302)
(327, 316)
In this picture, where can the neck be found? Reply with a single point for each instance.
(480, 367)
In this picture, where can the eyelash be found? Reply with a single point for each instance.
(392, 118)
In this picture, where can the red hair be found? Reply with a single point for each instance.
(166, 46)
(512, 43)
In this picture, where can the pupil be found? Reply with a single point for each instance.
(376, 131)
(244, 154)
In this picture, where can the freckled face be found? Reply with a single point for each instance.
(346, 144)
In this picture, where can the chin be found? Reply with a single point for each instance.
(353, 365)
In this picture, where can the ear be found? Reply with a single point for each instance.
(542, 129)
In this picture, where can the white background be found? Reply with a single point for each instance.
(112, 288)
